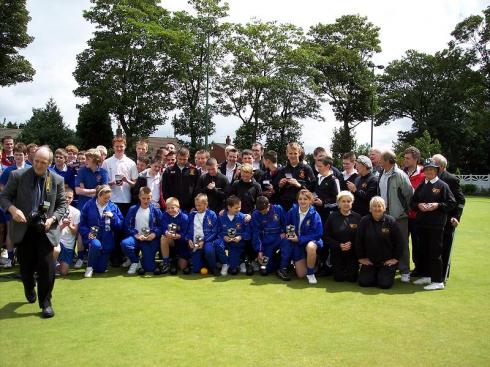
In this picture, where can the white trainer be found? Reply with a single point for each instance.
(78, 264)
(405, 278)
(243, 268)
(311, 278)
(422, 281)
(224, 269)
(133, 268)
(434, 286)
(89, 272)
(126, 263)
(6, 263)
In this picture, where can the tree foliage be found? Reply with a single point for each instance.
(46, 127)
(434, 91)
(127, 65)
(94, 125)
(267, 83)
(344, 51)
(14, 68)
(199, 54)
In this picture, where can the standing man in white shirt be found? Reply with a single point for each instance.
(122, 176)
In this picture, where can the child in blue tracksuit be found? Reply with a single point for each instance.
(233, 231)
(269, 235)
(174, 238)
(201, 233)
(307, 238)
(100, 217)
(142, 225)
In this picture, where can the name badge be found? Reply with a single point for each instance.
(46, 205)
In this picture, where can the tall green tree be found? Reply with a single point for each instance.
(434, 92)
(344, 51)
(127, 65)
(265, 83)
(199, 53)
(14, 68)
(46, 127)
(94, 125)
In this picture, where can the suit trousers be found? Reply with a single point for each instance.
(35, 254)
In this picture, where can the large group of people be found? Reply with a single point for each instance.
(163, 214)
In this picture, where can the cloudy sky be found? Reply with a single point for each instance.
(61, 33)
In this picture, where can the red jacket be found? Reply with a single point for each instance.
(416, 178)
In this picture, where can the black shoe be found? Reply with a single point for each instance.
(31, 296)
(233, 271)
(173, 270)
(324, 271)
(186, 270)
(263, 272)
(250, 270)
(47, 312)
(415, 273)
(165, 268)
(141, 271)
(157, 271)
(283, 274)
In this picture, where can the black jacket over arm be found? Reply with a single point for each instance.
(453, 183)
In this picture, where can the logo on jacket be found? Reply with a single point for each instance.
(353, 225)
(192, 172)
(210, 224)
(436, 191)
(275, 218)
(302, 173)
(364, 185)
(385, 230)
(238, 226)
(308, 222)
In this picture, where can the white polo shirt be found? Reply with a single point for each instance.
(126, 167)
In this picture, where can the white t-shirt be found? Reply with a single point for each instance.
(198, 225)
(154, 184)
(67, 238)
(142, 219)
(125, 167)
(301, 219)
(229, 173)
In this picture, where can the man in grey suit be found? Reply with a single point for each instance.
(35, 197)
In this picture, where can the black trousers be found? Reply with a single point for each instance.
(431, 252)
(447, 244)
(35, 254)
(345, 265)
(382, 276)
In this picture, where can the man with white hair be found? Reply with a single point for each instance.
(35, 197)
(454, 216)
(395, 188)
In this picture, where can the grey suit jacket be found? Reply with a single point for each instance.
(18, 192)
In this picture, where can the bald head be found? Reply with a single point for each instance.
(42, 159)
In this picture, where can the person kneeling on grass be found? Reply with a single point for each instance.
(340, 236)
(307, 236)
(99, 218)
(143, 228)
(269, 235)
(201, 233)
(233, 232)
(69, 233)
(174, 228)
(379, 245)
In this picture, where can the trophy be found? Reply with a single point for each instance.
(231, 232)
(172, 229)
(119, 180)
(93, 232)
(263, 265)
(145, 231)
(290, 231)
(196, 242)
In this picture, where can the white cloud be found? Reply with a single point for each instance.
(61, 33)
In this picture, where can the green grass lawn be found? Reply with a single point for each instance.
(117, 320)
